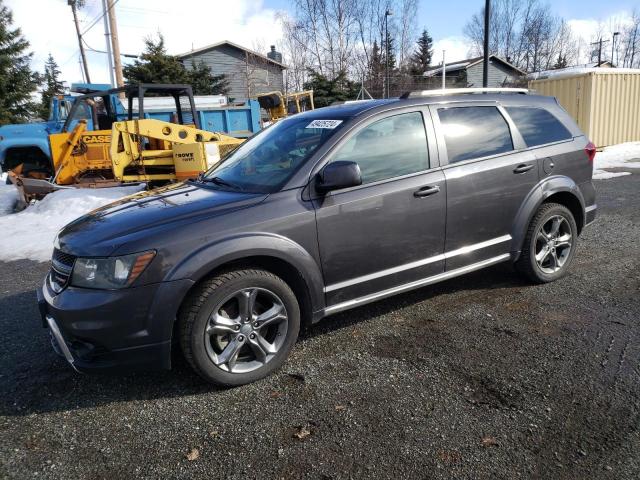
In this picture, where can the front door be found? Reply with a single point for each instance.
(389, 231)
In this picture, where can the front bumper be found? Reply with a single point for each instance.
(99, 330)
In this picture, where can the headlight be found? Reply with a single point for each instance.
(111, 272)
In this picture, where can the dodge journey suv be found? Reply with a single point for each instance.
(319, 213)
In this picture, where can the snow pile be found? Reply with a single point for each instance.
(30, 233)
(8, 197)
(623, 155)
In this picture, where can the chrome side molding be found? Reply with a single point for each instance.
(356, 302)
(417, 263)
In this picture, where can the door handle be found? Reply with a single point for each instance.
(426, 191)
(525, 167)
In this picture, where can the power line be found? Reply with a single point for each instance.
(98, 18)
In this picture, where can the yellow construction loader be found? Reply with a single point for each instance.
(280, 106)
(133, 150)
(153, 150)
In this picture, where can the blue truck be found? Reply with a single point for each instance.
(28, 144)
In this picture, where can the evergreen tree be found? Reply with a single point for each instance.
(388, 47)
(561, 62)
(17, 81)
(204, 82)
(156, 66)
(376, 71)
(52, 86)
(327, 91)
(421, 58)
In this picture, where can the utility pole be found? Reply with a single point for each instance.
(600, 52)
(599, 43)
(72, 4)
(117, 61)
(107, 37)
(386, 56)
(485, 63)
(613, 46)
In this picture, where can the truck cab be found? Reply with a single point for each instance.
(28, 143)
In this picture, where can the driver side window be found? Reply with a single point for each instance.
(391, 147)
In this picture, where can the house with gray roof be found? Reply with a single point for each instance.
(249, 73)
(468, 73)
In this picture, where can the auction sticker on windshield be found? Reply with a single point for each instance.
(330, 124)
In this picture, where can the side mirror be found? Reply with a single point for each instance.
(336, 175)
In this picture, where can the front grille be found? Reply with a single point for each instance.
(63, 259)
(61, 267)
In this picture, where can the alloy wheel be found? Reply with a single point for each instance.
(246, 330)
(553, 243)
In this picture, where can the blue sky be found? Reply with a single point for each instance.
(447, 18)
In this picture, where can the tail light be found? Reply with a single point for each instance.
(590, 150)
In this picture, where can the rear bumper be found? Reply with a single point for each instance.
(100, 330)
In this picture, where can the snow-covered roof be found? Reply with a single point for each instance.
(577, 71)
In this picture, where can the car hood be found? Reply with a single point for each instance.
(24, 130)
(102, 231)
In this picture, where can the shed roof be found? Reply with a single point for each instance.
(470, 62)
(231, 44)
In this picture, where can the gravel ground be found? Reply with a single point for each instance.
(482, 376)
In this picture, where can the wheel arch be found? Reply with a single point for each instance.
(8, 148)
(558, 189)
(278, 255)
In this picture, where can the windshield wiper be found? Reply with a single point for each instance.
(221, 182)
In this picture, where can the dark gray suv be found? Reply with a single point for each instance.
(321, 212)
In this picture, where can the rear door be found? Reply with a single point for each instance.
(552, 143)
(488, 172)
(389, 231)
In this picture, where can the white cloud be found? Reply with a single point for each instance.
(185, 24)
(588, 30)
(456, 48)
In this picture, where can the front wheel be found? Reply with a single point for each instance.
(549, 245)
(239, 326)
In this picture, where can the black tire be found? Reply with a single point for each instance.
(526, 263)
(195, 313)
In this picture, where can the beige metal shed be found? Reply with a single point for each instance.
(605, 102)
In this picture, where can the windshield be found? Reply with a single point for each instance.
(265, 162)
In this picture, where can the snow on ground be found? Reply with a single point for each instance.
(30, 233)
(8, 197)
(623, 155)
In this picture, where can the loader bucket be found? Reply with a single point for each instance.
(31, 188)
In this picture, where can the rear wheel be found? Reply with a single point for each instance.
(549, 245)
(239, 326)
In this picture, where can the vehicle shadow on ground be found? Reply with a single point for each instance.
(35, 380)
(493, 278)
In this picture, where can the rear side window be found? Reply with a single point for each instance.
(474, 132)
(538, 126)
(388, 148)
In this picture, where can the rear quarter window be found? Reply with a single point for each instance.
(538, 126)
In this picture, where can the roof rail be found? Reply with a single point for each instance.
(460, 91)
